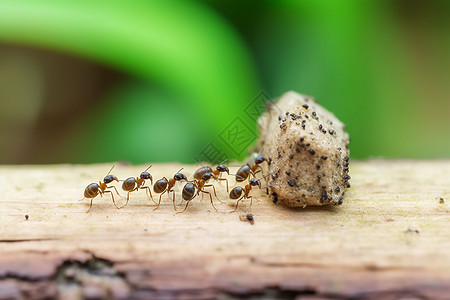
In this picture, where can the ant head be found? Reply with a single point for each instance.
(179, 176)
(110, 178)
(259, 160)
(255, 182)
(207, 176)
(223, 168)
(145, 175)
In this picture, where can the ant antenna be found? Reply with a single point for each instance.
(238, 176)
(223, 161)
(148, 168)
(179, 170)
(267, 175)
(110, 170)
(265, 187)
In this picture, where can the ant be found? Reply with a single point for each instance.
(165, 185)
(95, 189)
(237, 191)
(247, 169)
(132, 184)
(189, 190)
(217, 172)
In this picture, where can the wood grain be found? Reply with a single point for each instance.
(390, 239)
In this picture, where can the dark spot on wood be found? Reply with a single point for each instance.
(290, 182)
(324, 157)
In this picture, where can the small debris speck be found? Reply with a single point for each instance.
(27, 217)
(247, 218)
(441, 200)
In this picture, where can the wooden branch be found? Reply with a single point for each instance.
(389, 239)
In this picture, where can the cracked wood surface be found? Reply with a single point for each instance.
(389, 239)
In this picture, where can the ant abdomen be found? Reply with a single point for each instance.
(236, 192)
(129, 184)
(160, 186)
(199, 173)
(188, 191)
(91, 190)
(242, 173)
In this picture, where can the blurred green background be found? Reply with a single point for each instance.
(139, 81)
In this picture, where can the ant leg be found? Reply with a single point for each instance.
(180, 212)
(146, 188)
(112, 196)
(128, 198)
(159, 202)
(90, 206)
(251, 201)
(210, 196)
(237, 203)
(113, 187)
(226, 182)
(174, 207)
(208, 185)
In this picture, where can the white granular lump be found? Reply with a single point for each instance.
(307, 150)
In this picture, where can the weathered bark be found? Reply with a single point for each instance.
(390, 238)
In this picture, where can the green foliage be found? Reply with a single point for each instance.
(194, 66)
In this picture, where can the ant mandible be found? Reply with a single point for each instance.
(164, 185)
(95, 189)
(221, 168)
(247, 169)
(132, 184)
(189, 190)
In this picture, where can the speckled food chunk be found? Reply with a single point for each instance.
(306, 146)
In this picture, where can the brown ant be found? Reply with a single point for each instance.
(95, 189)
(237, 191)
(164, 185)
(132, 184)
(221, 168)
(189, 190)
(247, 169)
